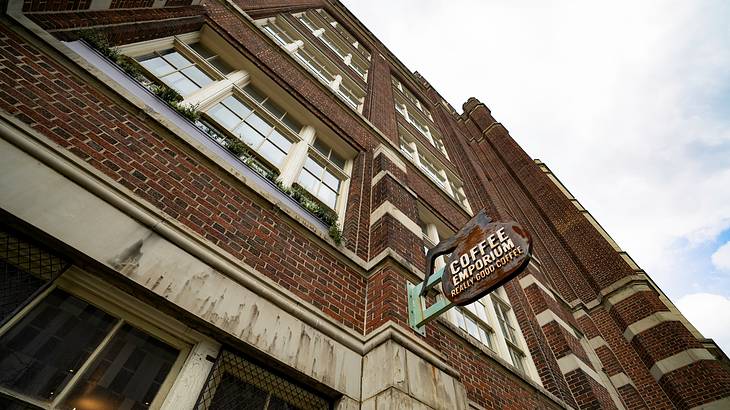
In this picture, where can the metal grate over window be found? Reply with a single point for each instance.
(25, 268)
(235, 383)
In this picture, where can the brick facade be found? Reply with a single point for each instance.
(598, 332)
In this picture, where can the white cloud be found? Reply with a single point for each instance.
(709, 314)
(626, 101)
(721, 259)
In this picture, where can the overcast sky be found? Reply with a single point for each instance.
(628, 102)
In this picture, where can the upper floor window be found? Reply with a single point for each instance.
(416, 114)
(433, 168)
(281, 30)
(234, 109)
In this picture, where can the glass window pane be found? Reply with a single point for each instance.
(40, 354)
(272, 153)
(200, 49)
(259, 124)
(221, 65)
(157, 66)
(327, 196)
(249, 135)
(254, 93)
(280, 141)
(293, 124)
(337, 160)
(331, 181)
(321, 147)
(197, 76)
(239, 107)
(224, 116)
(481, 312)
(313, 167)
(274, 109)
(180, 83)
(177, 59)
(484, 337)
(459, 319)
(126, 375)
(471, 327)
(308, 181)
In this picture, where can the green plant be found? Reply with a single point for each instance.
(100, 42)
(336, 234)
(188, 111)
(238, 148)
(130, 66)
(166, 93)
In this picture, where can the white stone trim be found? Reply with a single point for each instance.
(722, 404)
(678, 361)
(649, 322)
(597, 342)
(625, 293)
(392, 156)
(388, 208)
(571, 362)
(547, 316)
(530, 279)
(620, 380)
(382, 175)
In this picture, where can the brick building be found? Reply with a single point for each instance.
(220, 204)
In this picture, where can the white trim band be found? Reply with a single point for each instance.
(530, 280)
(678, 361)
(620, 380)
(649, 322)
(388, 208)
(571, 362)
(392, 156)
(547, 316)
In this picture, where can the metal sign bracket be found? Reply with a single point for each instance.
(418, 313)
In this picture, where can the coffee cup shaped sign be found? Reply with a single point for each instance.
(485, 255)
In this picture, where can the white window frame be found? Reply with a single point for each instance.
(415, 152)
(186, 376)
(341, 85)
(233, 84)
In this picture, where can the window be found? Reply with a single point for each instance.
(337, 39)
(473, 319)
(416, 114)
(181, 70)
(322, 173)
(509, 331)
(430, 166)
(282, 30)
(237, 113)
(67, 352)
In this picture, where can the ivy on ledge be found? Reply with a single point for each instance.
(235, 146)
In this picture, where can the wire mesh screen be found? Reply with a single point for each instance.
(24, 269)
(235, 383)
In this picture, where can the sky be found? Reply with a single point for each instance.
(628, 103)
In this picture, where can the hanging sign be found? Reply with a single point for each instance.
(485, 255)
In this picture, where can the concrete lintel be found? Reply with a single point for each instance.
(597, 342)
(388, 208)
(649, 322)
(625, 293)
(678, 361)
(382, 174)
(392, 156)
(620, 380)
(547, 316)
(530, 280)
(571, 362)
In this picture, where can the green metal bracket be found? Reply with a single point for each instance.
(418, 313)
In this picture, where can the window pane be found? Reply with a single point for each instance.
(197, 76)
(157, 66)
(459, 319)
(272, 153)
(484, 336)
(481, 312)
(308, 181)
(293, 124)
(274, 109)
(321, 147)
(180, 83)
(331, 181)
(280, 141)
(471, 327)
(177, 60)
(259, 124)
(254, 93)
(221, 65)
(239, 107)
(225, 117)
(204, 52)
(127, 374)
(249, 135)
(313, 167)
(337, 160)
(328, 196)
(40, 354)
